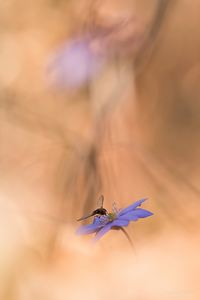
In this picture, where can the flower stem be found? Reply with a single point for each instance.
(128, 238)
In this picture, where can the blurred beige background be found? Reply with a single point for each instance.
(131, 132)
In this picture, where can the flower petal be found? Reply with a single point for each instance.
(130, 216)
(142, 213)
(120, 222)
(74, 64)
(131, 207)
(102, 231)
(87, 229)
(136, 214)
(97, 224)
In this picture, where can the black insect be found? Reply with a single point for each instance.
(99, 211)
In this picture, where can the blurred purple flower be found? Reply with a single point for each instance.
(74, 63)
(115, 220)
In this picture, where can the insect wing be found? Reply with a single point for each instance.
(86, 217)
(100, 201)
(99, 204)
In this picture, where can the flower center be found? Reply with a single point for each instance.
(112, 216)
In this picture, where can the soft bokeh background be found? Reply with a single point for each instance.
(131, 131)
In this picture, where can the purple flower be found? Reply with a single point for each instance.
(115, 220)
(74, 63)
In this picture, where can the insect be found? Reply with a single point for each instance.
(117, 219)
(101, 211)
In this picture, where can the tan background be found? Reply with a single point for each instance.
(131, 133)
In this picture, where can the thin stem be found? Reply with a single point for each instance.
(128, 238)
